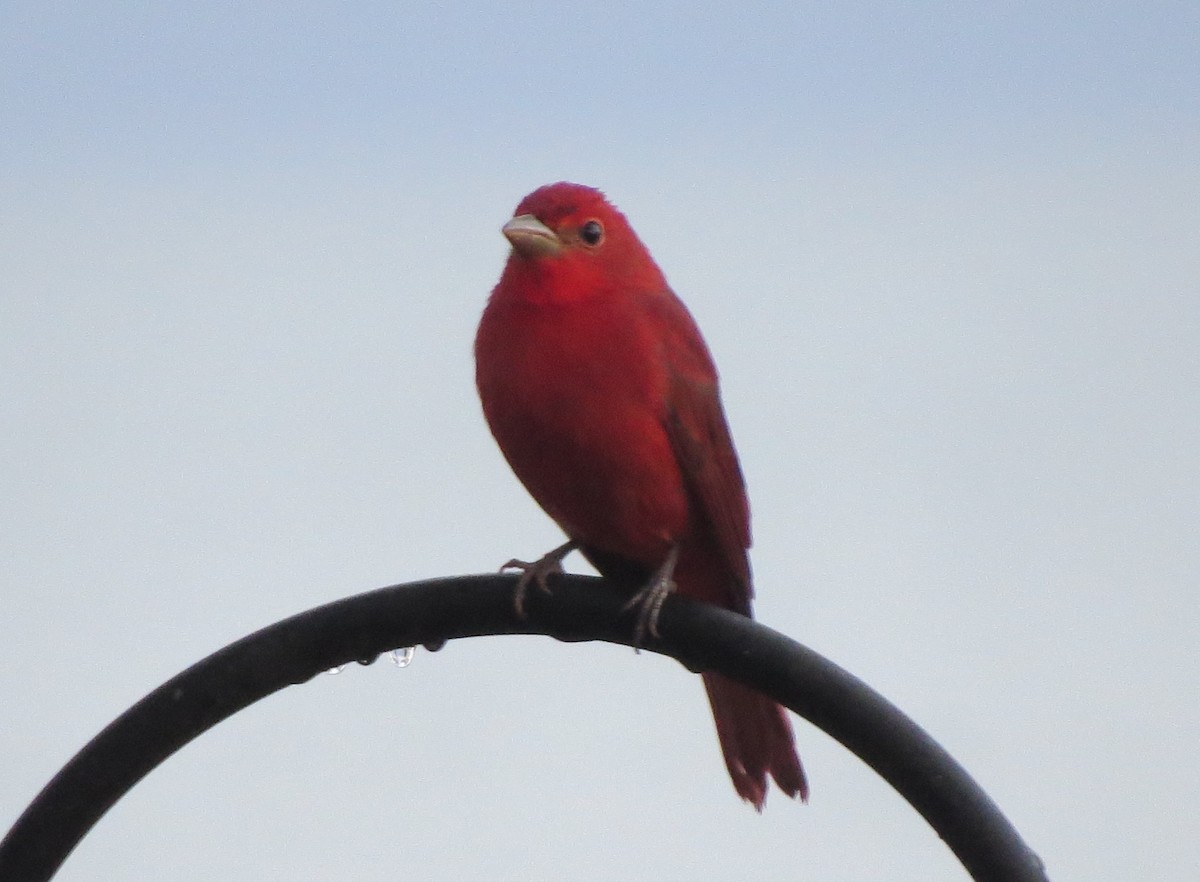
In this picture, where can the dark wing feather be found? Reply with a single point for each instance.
(700, 438)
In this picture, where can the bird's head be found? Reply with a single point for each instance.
(570, 243)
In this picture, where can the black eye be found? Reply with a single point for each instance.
(592, 233)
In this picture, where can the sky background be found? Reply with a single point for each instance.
(946, 255)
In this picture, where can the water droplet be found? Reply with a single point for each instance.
(336, 670)
(403, 657)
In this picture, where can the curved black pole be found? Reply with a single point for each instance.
(701, 636)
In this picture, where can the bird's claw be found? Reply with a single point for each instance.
(536, 573)
(532, 572)
(650, 599)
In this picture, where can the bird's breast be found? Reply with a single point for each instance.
(576, 397)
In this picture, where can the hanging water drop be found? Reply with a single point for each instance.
(403, 657)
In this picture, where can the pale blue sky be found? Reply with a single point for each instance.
(947, 256)
(234, 83)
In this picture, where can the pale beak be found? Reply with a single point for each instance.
(530, 237)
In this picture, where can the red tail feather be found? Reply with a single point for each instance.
(756, 739)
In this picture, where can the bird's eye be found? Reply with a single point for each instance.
(592, 233)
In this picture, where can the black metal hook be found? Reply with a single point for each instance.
(701, 636)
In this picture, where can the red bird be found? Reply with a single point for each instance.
(603, 398)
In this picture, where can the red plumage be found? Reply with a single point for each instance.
(603, 398)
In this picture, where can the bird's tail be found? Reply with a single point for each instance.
(756, 739)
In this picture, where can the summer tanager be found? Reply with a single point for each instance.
(603, 398)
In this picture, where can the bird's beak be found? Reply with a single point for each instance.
(530, 237)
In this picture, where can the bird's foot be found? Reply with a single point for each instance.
(649, 600)
(536, 572)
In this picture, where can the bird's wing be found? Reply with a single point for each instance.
(700, 438)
